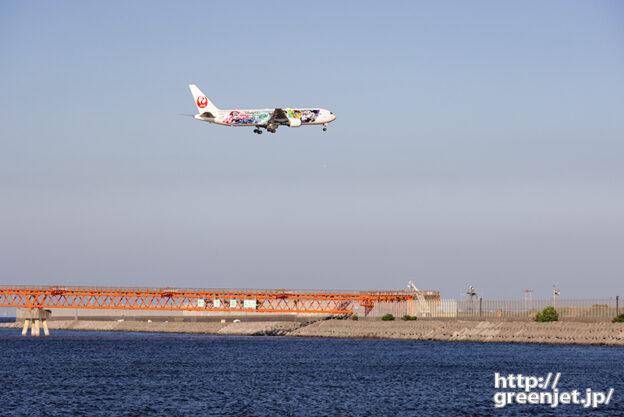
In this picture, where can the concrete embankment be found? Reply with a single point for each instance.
(456, 330)
(476, 331)
(275, 328)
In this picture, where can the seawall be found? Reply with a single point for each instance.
(455, 330)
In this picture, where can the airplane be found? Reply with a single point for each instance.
(269, 119)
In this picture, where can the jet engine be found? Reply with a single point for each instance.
(294, 122)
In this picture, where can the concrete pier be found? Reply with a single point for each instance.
(35, 319)
(46, 331)
(26, 326)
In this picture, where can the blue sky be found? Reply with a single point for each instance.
(475, 144)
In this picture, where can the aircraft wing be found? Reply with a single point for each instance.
(279, 117)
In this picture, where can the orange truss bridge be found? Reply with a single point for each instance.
(276, 301)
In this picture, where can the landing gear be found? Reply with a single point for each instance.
(258, 131)
(324, 127)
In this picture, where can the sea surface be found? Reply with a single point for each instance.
(73, 373)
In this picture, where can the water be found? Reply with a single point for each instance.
(138, 374)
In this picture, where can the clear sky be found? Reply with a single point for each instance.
(476, 143)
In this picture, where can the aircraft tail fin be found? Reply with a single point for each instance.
(201, 101)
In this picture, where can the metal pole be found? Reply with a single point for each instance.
(480, 307)
(617, 305)
(555, 294)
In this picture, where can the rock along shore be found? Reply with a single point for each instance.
(455, 330)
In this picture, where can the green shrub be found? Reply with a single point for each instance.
(548, 314)
(407, 317)
(618, 319)
(388, 317)
(354, 317)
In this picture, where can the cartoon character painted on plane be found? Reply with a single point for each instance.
(308, 116)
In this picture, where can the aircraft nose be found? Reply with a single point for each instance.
(332, 117)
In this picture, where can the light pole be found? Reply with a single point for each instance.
(556, 292)
(471, 293)
(528, 300)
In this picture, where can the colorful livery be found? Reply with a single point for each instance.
(269, 119)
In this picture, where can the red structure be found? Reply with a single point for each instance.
(192, 300)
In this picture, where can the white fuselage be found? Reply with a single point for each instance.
(259, 117)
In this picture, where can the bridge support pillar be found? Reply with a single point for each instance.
(34, 318)
(25, 329)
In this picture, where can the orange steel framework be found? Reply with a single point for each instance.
(224, 301)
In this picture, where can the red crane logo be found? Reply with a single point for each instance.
(202, 102)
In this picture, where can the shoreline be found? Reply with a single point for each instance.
(562, 333)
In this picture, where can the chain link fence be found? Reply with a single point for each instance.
(479, 308)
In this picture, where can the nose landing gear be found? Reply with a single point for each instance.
(324, 127)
